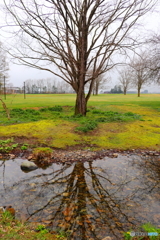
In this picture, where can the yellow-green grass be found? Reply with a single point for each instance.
(60, 133)
(138, 134)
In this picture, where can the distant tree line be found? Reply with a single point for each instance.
(46, 86)
(116, 89)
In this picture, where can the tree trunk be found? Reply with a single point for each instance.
(81, 103)
(139, 92)
(97, 86)
(6, 109)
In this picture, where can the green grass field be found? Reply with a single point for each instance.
(102, 100)
(59, 129)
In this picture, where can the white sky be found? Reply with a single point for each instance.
(18, 74)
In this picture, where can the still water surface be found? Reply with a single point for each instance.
(90, 200)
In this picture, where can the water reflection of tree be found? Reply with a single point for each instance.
(149, 168)
(85, 209)
(3, 166)
(83, 199)
(151, 165)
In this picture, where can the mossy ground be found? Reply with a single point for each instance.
(59, 131)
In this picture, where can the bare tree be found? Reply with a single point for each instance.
(141, 71)
(155, 57)
(28, 85)
(125, 79)
(4, 67)
(66, 87)
(99, 83)
(3, 73)
(49, 85)
(75, 36)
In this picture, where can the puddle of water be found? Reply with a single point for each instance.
(90, 200)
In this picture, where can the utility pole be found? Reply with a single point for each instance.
(4, 87)
(24, 91)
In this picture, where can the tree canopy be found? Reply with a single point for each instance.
(75, 36)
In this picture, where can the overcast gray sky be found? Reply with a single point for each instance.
(18, 74)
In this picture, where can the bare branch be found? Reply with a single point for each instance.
(74, 36)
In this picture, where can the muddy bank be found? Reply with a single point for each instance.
(59, 155)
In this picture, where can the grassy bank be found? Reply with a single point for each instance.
(12, 229)
(113, 121)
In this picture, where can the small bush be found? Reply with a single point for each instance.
(111, 116)
(110, 113)
(56, 109)
(32, 112)
(19, 111)
(96, 111)
(44, 109)
(86, 126)
(101, 119)
(132, 115)
(16, 111)
(19, 115)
